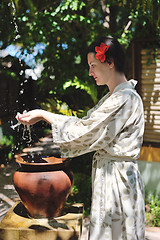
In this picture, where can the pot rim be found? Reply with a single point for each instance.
(50, 160)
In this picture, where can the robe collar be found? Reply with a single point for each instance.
(129, 84)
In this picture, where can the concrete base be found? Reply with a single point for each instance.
(18, 225)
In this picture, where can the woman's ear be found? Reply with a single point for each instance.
(111, 64)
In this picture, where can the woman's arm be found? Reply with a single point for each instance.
(33, 116)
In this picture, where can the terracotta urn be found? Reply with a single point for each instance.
(43, 184)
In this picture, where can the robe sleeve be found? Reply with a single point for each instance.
(79, 136)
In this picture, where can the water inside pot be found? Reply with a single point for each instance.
(34, 158)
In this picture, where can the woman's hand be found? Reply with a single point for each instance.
(31, 117)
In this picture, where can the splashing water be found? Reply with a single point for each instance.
(26, 130)
(16, 125)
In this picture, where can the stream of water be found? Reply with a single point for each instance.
(8, 194)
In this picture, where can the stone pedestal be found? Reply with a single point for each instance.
(18, 225)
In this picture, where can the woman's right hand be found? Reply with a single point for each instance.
(31, 117)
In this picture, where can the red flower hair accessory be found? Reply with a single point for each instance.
(101, 52)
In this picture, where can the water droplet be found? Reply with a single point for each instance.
(21, 72)
(21, 92)
(18, 36)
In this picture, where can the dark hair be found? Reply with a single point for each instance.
(115, 52)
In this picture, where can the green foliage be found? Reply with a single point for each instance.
(66, 28)
(57, 106)
(152, 202)
(6, 141)
(90, 89)
(81, 191)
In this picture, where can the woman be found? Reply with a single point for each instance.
(114, 129)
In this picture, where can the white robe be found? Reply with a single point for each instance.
(114, 129)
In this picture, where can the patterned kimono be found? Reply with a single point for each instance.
(114, 130)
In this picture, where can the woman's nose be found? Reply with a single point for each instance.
(90, 72)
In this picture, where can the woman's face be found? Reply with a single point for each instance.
(101, 72)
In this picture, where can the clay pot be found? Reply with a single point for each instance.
(43, 186)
